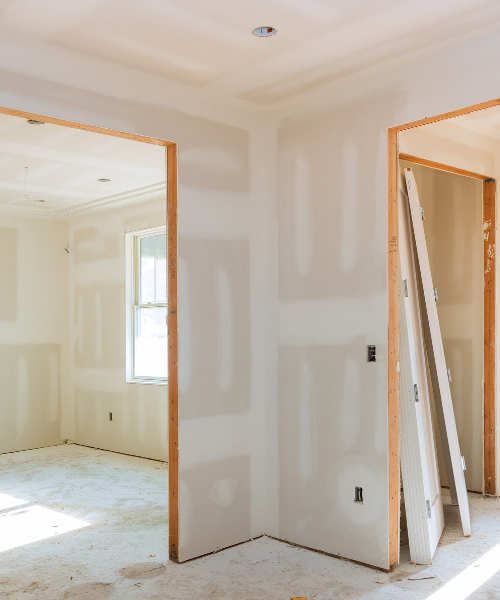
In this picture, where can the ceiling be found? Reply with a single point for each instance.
(209, 44)
(485, 121)
(64, 166)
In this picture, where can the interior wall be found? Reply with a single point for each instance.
(453, 208)
(98, 342)
(33, 332)
(332, 289)
(223, 206)
(333, 279)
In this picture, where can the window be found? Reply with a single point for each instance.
(147, 340)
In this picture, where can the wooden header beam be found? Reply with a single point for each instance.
(442, 167)
(74, 125)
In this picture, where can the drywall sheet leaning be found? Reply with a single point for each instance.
(422, 492)
(438, 351)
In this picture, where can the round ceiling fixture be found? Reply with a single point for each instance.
(35, 122)
(264, 31)
(104, 180)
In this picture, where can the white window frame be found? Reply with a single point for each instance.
(132, 295)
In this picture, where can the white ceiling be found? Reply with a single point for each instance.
(485, 121)
(208, 43)
(64, 166)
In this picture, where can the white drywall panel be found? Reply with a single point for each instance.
(33, 332)
(98, 342)
(333, 430)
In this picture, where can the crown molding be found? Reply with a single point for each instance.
(68, 211)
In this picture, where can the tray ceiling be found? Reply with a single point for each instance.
(62, 167)
(210, 44)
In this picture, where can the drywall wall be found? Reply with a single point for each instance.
(98, 341)
(453, 207)
(33, 332)
(332, 294)
(223, 273)
(332, 429)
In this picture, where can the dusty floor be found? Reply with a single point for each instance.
(120, 547)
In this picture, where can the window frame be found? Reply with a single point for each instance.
(132, 296)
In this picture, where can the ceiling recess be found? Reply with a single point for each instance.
(264, 31)
(35, 122)
(104, 180)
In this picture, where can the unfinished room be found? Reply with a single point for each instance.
(248, 300)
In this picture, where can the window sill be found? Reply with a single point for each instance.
(149, 381)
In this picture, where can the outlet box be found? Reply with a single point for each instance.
(110, 416)
(372, 354)
(358, 495)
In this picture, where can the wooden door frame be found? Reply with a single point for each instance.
(489, 209)
(171, 198)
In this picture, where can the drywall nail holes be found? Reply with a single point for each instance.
(358, 495)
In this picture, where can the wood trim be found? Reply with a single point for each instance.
(393, 350)
(173, 406)
(489, 201)
(122, 134)
(442, 167)
(448, 115)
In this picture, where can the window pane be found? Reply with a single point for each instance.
(151, 343)
(153, 269)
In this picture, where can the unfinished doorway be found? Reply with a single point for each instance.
(488, 193)
(168, 162)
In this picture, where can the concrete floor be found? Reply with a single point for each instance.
(122, 553)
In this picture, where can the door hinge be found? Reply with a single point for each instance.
(422, 213)
(406, 288)
(429, 514)
(415, 390)
(436, 294)
(449, 374)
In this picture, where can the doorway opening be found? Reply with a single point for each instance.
(452, 158)
(67, 173)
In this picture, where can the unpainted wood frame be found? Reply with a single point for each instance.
(392, 337)
(171, 188)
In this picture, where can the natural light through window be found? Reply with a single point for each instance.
(30, 524)
(468, 581)
(147, 311)
(7, 501)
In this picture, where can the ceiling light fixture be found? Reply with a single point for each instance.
(264, 31)
(104, 180)
(35, 122)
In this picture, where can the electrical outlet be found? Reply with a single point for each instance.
(372, 354)
(358, 495)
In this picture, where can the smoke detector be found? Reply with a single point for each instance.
(264, 31)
